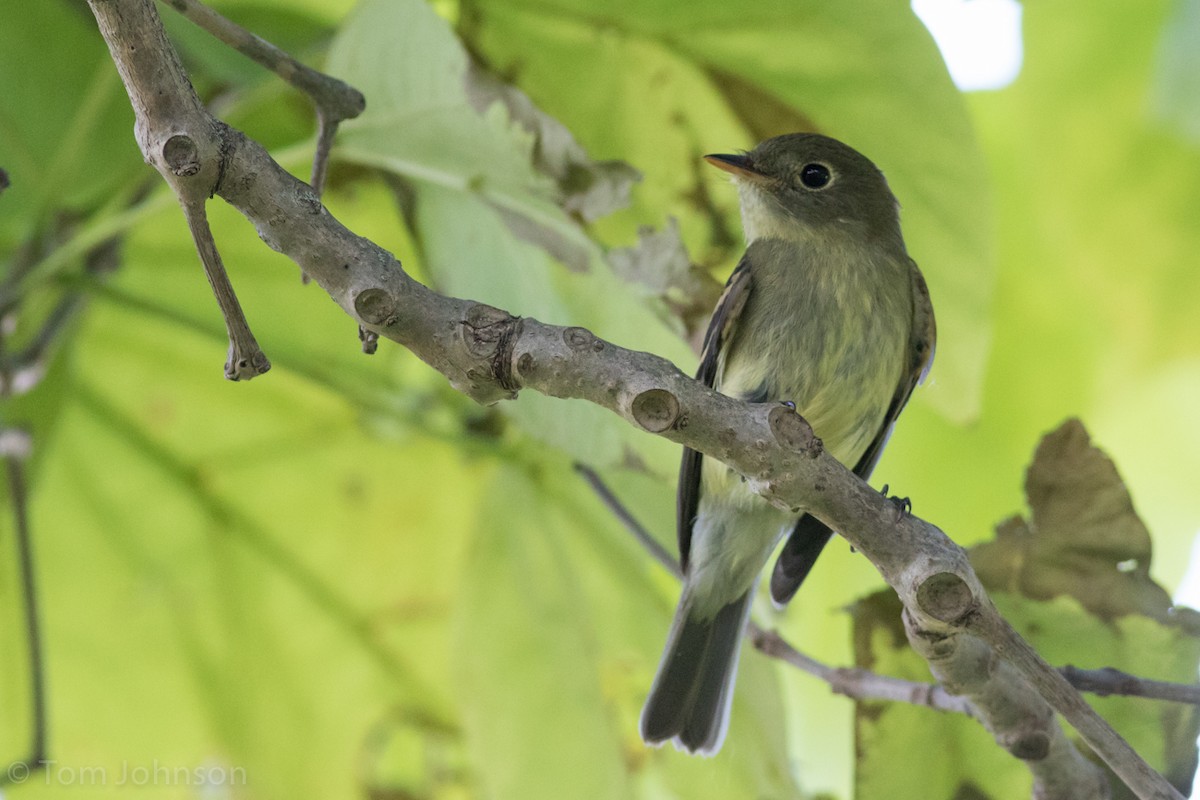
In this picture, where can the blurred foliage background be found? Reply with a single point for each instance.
(343, 579)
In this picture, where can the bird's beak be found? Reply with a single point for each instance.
(738, 166)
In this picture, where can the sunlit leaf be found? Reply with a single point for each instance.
(488, 220)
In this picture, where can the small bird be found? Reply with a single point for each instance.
(827, 311)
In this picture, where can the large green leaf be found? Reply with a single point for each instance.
(473, 175)
(204, 605)
(535, 715)
(560, 626)
(65, 122)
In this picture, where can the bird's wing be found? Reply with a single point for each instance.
(809, 536)
(720, 329)
(922, 342)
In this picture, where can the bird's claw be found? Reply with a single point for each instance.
(902, 506)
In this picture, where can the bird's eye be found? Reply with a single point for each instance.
(815, 176)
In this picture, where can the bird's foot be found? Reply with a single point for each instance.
(902, 506)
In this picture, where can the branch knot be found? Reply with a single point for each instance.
(375, 306)
(489, 332)
(946, 597)
(181, 155)
(656, 410)
(793, 431)
(582, 339)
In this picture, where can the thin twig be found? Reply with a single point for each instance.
(15, 445)
(246, 359)
(656, 550)
(860, 684)
(1109, 681)
(326, 130)
(338, 98)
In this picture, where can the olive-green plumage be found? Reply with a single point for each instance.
(827, 311)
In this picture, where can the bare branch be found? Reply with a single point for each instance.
(187, 146)
(489, 355)
(861, 684)
(334, 100)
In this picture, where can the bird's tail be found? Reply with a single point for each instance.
(690, 699)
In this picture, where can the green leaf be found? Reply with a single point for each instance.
(488, 222)
(65, 122)
(560, 628)
(536, 721)
(421, 124)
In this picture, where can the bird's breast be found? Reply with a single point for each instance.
(826, 327)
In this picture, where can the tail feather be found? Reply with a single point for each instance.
(690, 699)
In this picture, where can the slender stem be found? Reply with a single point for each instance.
(15, 444)
(326, 130)
(656, 550)
(246, 359)
(1109, 681)
(339, 98)
(857, 683)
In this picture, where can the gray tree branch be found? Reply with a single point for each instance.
(334, 100)
(490, 355)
